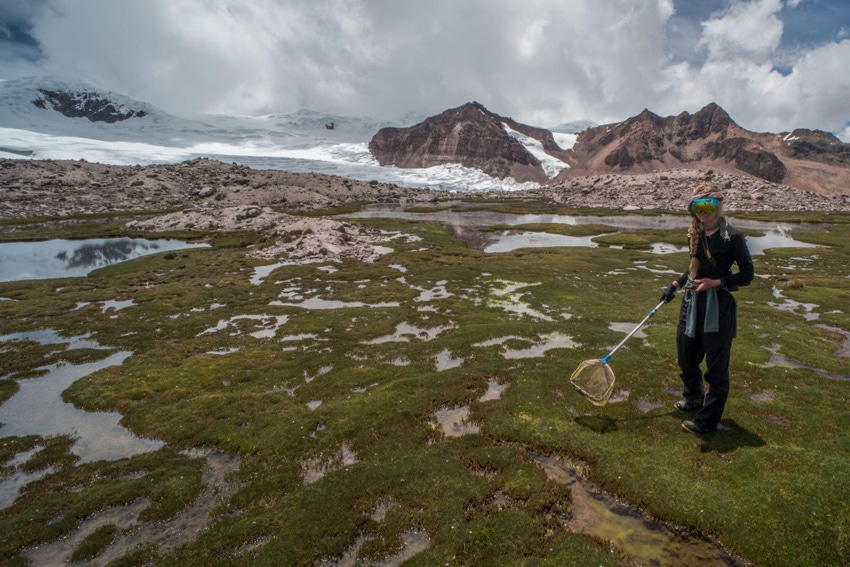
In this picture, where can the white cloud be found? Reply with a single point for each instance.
(745, 29)
(543, 62)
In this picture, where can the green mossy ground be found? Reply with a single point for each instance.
(773, 487)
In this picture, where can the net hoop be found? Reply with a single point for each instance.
(594, 380)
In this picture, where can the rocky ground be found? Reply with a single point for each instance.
(216, 196)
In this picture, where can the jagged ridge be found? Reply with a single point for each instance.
(469, 135)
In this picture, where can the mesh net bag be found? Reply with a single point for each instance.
(594, 380)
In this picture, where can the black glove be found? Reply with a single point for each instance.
(668, 293)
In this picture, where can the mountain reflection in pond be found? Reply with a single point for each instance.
(466, 225)
(75, 258)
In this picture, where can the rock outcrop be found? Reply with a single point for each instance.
(469, 135)
(85, 104)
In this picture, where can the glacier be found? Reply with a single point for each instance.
(304, 141)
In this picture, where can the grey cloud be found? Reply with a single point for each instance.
(544, 62)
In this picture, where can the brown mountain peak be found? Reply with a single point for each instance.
(470, 135)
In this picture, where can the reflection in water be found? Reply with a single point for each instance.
(510, 300)
(779, 361)
(37, 408)
(494, 391)
(454, 422)
(445, 360)
(10, 486)
(791, 306)
(547, 342)
(103, 253)
(509, 241)
(75, 258)
(405, 331)
(464, 224)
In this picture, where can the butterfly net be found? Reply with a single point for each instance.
(595, 380)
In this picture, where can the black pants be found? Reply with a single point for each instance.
(715, 348)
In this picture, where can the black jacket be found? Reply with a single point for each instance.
(727, 246)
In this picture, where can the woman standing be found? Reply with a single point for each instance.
(708, 316)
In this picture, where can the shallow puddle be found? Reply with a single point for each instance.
(494, 391)
(806, 310)
(445, 360)
(113, 305)
(627, 328)
(508, 300)
(404, 332)
(539, 348)
(313, 470)
(619, 396)
(166, 535)
(225, 351)
(319, 303)
(37, 408)
(320, 372)
(364, 389)
(628, 529)
(437, 292)
(454, 422)
(10, 487)
(509, 240)
(414, 542)
(779, 361)
(646, 406)
(262, 272)
(75, 258)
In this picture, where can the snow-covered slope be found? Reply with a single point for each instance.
(43, 118)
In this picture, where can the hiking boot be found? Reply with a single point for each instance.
(694, 427)
(688, 405)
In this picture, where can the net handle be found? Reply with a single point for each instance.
(635, 330)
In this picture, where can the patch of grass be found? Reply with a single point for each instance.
(94, 543)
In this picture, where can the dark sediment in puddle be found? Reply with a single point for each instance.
(629, 530)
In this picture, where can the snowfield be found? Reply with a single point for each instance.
(303, 141)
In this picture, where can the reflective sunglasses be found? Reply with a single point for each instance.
(704, 205)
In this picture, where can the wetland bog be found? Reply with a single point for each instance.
(416, 407)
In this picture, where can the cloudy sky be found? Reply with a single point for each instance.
(774, 65)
